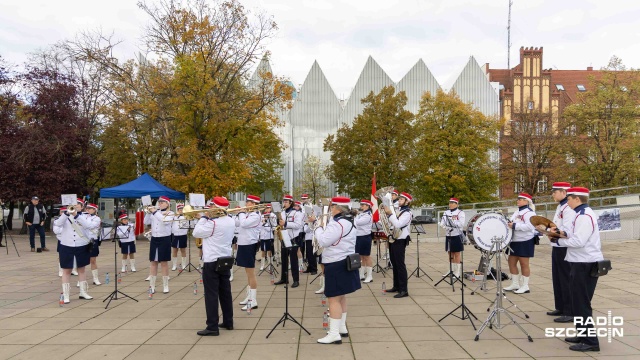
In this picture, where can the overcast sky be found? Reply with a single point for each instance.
(341, 34)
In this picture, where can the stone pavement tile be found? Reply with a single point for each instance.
(104, 351)
(431, 333)
(56, 323)
(43, 312)
(438, 309)
(193, 312)
(365, 335)
(279, 336)
(429, 300)
(633, 341)
(102, 324)
(126, 337)
(363, 321)
(234, 337)
(82, 312)
(547, 347)
(436, 350)
(77, 337)
(6, 313)
(7, 351)
(49, 352)
(464, 331)
(18, 323)
(411, 320)
(145, 324)
(408, 309)
(276, 312)
(270, 352)
(362, 310)
(382, 350)
(173, 337)
(614, 348)
(29, 304)
(226, 352)
(183, 323)
(242, 322)
(323, 352)
(25, 337)
(485, 348)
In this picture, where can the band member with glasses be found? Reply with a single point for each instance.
(522, 245)
(397, 249)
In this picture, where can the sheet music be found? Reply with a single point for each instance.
(196, 200)
(68, 199)
(276, 207)
(146, 200)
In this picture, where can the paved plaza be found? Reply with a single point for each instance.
(34, 326)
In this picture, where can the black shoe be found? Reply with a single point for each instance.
(295, 284)
(401, 294)
(206, 332)
(392, 290)
(584, 347)
(280, 282)
(554, 313)
(344, 335)
(563, 319)
(573, 340)
(314, 273)
(223, 326)
(1, 245)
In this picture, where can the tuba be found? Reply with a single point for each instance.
(385, 193)
(199, 242)
(320, 222)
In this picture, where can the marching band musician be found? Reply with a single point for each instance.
(560, 268)
(179, 230)
(401, 220)
(58, 231)
(310, 257)
(522, 245)
(583, 253)
(300, 240)
(248, 224)
(74, 249)
(396, 206)
(292, 222)
(92, 232)
(216, 234)
(339, 240)
(269, 221)
(234, 242)
(160, 246)
(453, 221)
(127, 237)
(363, 222)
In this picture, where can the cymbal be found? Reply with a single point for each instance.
(550, 233)
(541, 220)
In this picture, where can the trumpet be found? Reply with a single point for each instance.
(246, 209)
(149, 209)
(71, 210)
(189, 212)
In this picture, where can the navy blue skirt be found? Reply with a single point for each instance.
(246, 256)
(266, 245)
(67, 254)
(453, 244)
(338, 280)
(363, 245)
(160, 248)
(522, 248)
(95, 250)
(179, 241)
(128, 247)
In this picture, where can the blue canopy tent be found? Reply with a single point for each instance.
(144, 185)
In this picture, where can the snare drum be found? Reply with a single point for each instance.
(484, 226)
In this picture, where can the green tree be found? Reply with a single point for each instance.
(452, 146)
(379, 140)
(313, 180)
(606, 121)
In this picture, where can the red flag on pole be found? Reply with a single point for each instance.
(376, 214)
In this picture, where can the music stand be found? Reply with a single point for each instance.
(450, 276)
(418, 229)
(270, 268)
(189, 237)
(466, 313)
(379, 269)
(5, 230)
(286, 316)
(114, 230)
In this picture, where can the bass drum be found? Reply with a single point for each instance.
(485, 226)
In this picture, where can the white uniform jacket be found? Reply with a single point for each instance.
(563, 217)
(90, 225)
(338, 239)
(583, 237)
(126, 233)
(363, 222)
(180, 228)
(403, 222)
(160, 223)
(522, 228)
(453, 221)
(269, 222)
(293, 222)
(72, 234)
(248, 225)
(217, 235)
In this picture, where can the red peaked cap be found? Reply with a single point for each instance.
(561, 185)
(220, 201)
(254, 198)
(406, 196)
(304, 196)
(123, 216)
(455, 200)
(287, 197)
(163, 198)
(579, 191)
(94, 206)
(366, 202)
(525, 196)
(341, 200)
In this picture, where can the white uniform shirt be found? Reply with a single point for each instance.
(453, 217)
(69, 236)
(363, 222)
(293, 222)
(523, 230)
(583, 237)
(180, 228)
(338, 240)
(160, 225)
(563, 217)
(217, 235)
(248, 225)
(57, 230)
(403, 222)
(126, 233)
(269, 222)
(91, 226)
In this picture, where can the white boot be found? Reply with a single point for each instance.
(231, 277)
(148, 278)
(66, 288)
(184, 263)
(59, 270)
(254, 301)
(321, 290)
(96, 280)
(246, 299)
(78, 284)
(456, 270)
(174, 260)
(165, 284)
(515, 283)
(333, 337)
(124, 266)
(74, 271)
(361, 272)
(524, 289)
(152, 283)
(261, 264)
(84, 288)
(369, 271)
(132, 263)
(200, 264)
(343, 326)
